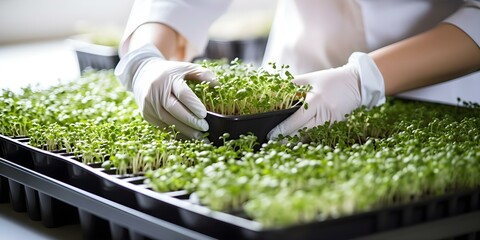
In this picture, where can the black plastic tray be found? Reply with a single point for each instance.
(99, 217)
(93, 56)
(121, 204)
(96, 61)
(249, 50)
(258, 124)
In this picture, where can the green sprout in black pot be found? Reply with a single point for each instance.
(245, 90)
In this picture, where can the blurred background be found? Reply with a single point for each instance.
(46, 41)
(32, 20)
(34, 47)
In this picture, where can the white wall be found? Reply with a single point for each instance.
(30, 20)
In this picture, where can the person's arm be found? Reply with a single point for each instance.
(170, 43)
(160, 38)
(166, 22)
(440, 54)
(445, 52)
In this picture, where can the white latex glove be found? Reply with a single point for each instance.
(334, 93)
(161, 92)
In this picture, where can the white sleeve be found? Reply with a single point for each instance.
(191, 19)
(467, 18)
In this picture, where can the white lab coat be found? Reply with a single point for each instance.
(310, 35)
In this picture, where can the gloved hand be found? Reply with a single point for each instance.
(334, 93)
(161, 92)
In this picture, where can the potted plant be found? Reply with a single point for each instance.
(247, 100)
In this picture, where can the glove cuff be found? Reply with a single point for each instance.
(371, 80)
(129, 63)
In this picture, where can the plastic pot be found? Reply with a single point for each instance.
(258, 124)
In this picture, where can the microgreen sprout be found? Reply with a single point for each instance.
(245, 90)
(393, 154)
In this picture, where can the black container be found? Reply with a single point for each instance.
(93, 56)
(14, 148)
(258, 124)
(17, 196)
(81, 178)
(248, 50)
(4, 195)
(33, 203)
(56, 213)
(93, 227)
(118, 193)
(118, 232)
(95, 214)
(50, 166)
(2, 149)
(96, 61)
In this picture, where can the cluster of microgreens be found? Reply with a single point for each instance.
(245, 90)
(392, 154)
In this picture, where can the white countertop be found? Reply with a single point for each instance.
(43, 63)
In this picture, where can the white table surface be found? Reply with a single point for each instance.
(42, 63)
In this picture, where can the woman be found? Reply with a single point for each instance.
(352, 53)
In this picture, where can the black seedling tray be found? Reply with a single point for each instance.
(57, 188)
(235, 125)
(99, 217)
(249, 50)
(88, 60)
(94, 56)
(4, 197)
